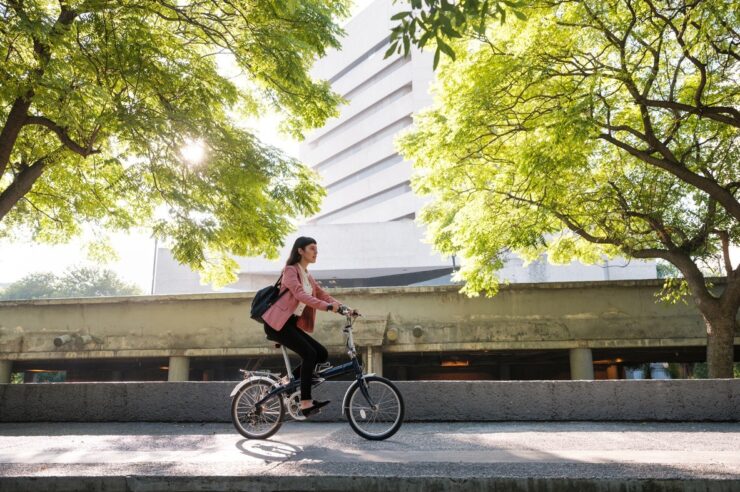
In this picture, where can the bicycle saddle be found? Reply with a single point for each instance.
(277, 345)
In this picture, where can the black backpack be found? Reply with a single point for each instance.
(264, 298)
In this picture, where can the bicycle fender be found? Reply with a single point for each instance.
(249, 380)
(346, 393)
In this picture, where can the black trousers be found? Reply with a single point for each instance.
(300, 342)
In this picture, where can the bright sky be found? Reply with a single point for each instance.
(136, 250)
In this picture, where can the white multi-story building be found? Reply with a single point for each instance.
(365, 177)
(365, 229)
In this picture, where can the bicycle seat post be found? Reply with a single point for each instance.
(287, 362)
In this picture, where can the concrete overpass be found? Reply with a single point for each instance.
(577, 316)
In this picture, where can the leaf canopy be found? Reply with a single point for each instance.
(587, 130)
(98, 99)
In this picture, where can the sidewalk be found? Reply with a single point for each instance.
(329, 456)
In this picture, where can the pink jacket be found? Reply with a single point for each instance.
(283, 309)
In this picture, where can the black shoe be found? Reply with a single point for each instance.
(317, 404)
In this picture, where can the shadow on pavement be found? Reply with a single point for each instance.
(268, 450)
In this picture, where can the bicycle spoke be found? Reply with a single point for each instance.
(382, 416)
(257, 421)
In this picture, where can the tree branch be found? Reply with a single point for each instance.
(689, 245)
(724, 237)
(723, 114)
(63, 137)
(19, 111)
(21, 185)
(655, 223)
(712, 188)
(679, 33)
(694, 277)
(704, 299)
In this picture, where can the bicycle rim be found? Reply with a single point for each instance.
(382, 421)
(254, 423)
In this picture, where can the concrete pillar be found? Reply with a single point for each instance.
(373, 360)
(179, 369)
(377, 361)
(581, 363)
(6, 368)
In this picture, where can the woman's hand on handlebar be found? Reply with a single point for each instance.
(345, 310)
(342, 309)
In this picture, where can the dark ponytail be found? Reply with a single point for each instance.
(299, 243)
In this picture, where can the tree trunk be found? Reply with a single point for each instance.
(719, 313)
(9, 133)
(720, 344)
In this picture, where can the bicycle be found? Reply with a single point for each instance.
(372, 404)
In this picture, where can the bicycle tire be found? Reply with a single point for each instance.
(250, 416)
(380, 388)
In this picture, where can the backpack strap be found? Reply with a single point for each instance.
(278, 285)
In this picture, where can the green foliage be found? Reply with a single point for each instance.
(674, 369)
(667, 270)
(107, 93)
(32, 286)
(16, 378)
(75, 282)
(577, 133)
(441, 21)
(700, 371)
(674, 290)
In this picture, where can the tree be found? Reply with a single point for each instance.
(592, 129)
(436, 22)
(99, 97)
(32, 286)
(76, 282)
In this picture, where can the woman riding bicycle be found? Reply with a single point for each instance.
(290, 320)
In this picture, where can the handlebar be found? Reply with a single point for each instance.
(345, 311)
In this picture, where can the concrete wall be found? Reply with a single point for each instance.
(653, 400)
(408, 319)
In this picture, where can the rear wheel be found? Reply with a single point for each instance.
(382, 419)
(257, 422)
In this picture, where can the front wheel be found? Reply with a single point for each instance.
(382, 419)
(255, 422)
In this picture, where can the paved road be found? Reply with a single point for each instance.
(158, 456)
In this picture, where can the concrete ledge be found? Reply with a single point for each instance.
(645, 400)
